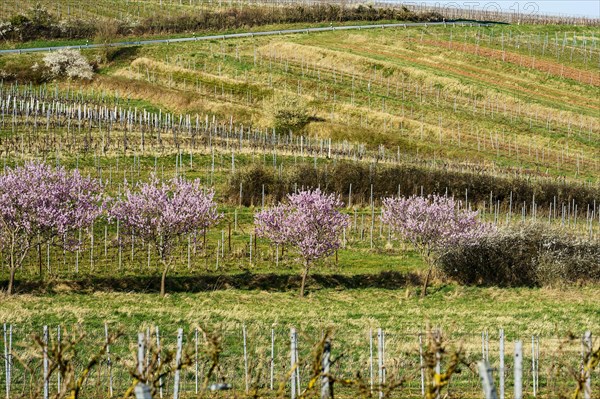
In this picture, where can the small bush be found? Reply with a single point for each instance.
(37, 23)
(253, 179)
(68, 63)
(288, 113)
(575, 261)
(531, 256)
(23, 70)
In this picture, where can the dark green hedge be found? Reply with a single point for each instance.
(387, 180)
(532, 256)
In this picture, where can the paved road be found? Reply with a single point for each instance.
(238, 35)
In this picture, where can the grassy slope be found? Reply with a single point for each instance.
(368, 86)
(521, 312)
(225, 79)
(359, 72)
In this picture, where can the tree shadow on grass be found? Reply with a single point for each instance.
(205, 283)
(123, 54)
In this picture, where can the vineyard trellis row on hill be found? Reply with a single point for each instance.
(29, 117)
(188, 75)
(223, 159)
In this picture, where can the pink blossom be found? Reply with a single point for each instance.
(309, 221)
(432, 224)
(39, 203)
(433, 221)
(162, 212)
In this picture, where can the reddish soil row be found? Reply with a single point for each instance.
(485, 76)
(553, 68)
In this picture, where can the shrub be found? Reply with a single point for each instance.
(38, 23)
(385, 180)
(288, 113)
(68, 63)
(106, 33)
(252, 179)
(23, 69)
(568, 261)
(530, 256)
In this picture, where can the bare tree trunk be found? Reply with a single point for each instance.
(39, 251)
(11, 281)
(304, 275)
(162, 282)
(163, 279)
(431, 262)
(426, 282)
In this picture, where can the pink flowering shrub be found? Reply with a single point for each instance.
(164, 212)
(432, 224)
(38, 204)
(309, 221)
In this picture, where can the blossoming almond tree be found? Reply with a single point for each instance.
(431, 224)
(163, 212)
(309, 221)
(39, 203)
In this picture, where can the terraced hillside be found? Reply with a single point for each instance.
(501, 95)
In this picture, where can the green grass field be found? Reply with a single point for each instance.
(551, 314)
(522, 312)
